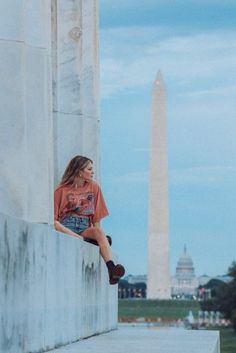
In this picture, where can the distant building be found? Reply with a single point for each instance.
(136, 279)
(203, 280)
(223, 278)
(184, 283)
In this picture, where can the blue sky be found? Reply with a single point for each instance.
(193, 43)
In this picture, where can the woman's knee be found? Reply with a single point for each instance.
(98, 233)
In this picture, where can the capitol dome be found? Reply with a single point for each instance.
(184, 283)
(185, 269)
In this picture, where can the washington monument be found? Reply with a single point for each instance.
(158, 283)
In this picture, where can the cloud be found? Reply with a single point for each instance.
(133, 177)
(142, 149)
(132, 56)
(213, 175)
(151, 3)
(222, 92)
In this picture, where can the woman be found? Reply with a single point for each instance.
(78, 208)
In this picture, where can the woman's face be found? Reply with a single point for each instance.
(87, 173)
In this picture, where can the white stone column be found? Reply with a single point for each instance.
(75, 82)
(158, 284)
(25, 110)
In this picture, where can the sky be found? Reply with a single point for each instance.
(193, 43)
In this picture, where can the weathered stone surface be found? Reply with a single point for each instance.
(75, 82)
(26, 21)
(26, 133)
(49, 106)
(86, 142)
(26, 153)
(54, 288)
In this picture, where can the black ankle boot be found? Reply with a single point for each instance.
(116, 273)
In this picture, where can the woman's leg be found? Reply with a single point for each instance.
(115, 271)
(98, 234)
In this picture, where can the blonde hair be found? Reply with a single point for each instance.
(75, 166)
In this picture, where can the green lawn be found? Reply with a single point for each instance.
(165, 309)
(227, 340)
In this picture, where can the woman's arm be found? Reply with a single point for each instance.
(60, 228)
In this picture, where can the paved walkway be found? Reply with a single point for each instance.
(147, 340)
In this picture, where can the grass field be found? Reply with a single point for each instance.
(165, 309)
(227, 340)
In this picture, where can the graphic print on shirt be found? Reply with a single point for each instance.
(82, 204)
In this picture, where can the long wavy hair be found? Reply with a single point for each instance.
(75, 166)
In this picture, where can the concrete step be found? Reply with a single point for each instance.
(147, 340)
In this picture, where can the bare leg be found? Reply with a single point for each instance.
(98, 234)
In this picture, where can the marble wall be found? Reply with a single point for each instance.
(75, 82)
(26, 134)
(49, 101)
(54, 288)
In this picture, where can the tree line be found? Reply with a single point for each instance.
(223, 297)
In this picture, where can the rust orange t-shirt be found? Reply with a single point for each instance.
(81, 201)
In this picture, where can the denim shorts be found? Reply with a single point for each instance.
(76, 224)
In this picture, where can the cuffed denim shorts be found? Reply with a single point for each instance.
(76, 224)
